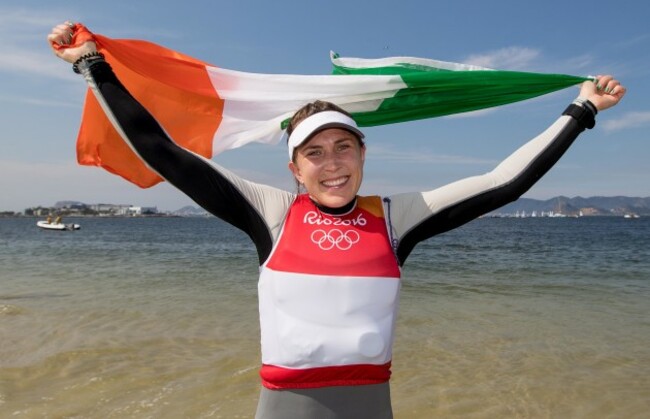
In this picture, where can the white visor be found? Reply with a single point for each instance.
(318, 122)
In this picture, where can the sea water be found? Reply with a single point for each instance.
(157, 318)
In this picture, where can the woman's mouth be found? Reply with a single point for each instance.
(334, 183)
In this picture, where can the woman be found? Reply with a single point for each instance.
(329, 259)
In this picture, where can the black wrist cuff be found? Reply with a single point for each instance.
(86, 60)
(585, 115)
(587, 104)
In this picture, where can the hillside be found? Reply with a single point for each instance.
(596, 205)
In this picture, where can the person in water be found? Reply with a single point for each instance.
(329, 259)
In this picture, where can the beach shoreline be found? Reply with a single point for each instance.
(158, 318)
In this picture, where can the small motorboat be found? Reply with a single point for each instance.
(58, 226)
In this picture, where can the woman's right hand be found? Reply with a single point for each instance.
(60, 40)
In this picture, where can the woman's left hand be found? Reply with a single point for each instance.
(604, 93)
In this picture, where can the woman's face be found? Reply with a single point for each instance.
(330, 166)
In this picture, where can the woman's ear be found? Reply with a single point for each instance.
(296, 171)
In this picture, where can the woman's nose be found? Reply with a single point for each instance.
(332, 160)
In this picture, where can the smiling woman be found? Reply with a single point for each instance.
(329, 259)
(327, 153)
(330, 166)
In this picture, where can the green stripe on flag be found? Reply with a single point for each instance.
(449, 92)
(434, 92)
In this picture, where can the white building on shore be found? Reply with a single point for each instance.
(123, 210)
(135, 211)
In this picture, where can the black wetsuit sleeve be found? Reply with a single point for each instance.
(243, 204)
(415, 217)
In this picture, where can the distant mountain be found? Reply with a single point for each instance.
(190, 211)
(596, 205)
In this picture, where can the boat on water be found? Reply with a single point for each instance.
(631, 216)
(57, 226)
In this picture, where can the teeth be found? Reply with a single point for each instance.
(335, 182)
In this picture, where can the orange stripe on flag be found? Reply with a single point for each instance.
(174, 88)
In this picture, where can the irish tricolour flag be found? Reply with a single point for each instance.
(208, 109)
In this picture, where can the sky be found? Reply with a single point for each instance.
(41, 98)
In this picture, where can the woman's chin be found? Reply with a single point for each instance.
(334, 200)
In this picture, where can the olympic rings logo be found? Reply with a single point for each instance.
(328, 240)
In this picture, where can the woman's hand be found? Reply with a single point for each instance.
(62, 39)
(604, 93)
